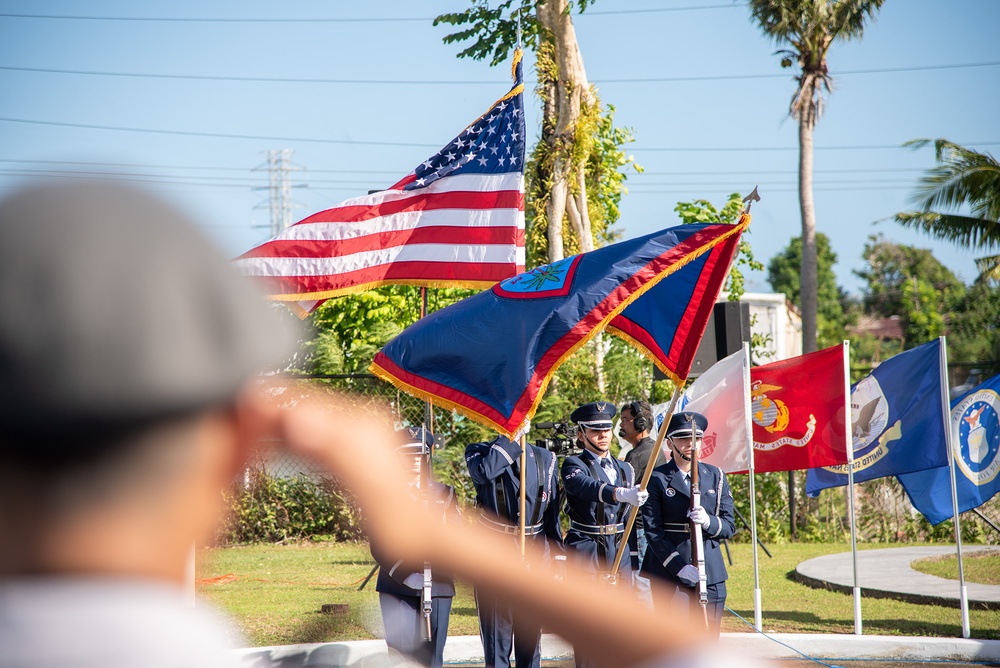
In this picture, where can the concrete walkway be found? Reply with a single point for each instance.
(469, 649)
(887, 574)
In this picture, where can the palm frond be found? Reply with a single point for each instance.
(963, 231)
(964, 177)
(989, 267)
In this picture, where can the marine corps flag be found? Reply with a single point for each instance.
(975, 437)
(896, 420)
(490, 356)
(798, 409)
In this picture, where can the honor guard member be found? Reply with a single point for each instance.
(495, 470)
(636, 426)
(668, 515)
(401, 583)
(599, 489)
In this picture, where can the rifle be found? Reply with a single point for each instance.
(697, 543)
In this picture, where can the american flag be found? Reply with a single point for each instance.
(457, 220)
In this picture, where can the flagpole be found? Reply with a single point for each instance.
(646, 475)
(849, 444)
(949, 444)
(523, 502)
(748, 426)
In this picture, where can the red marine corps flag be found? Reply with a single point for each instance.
(457, 220)
(798, 408)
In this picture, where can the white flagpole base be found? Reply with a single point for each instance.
(857, 611)
(757, 624)
(965, 612)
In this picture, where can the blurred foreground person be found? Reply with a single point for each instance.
(410, 629)
(128, 350)
(125, 344)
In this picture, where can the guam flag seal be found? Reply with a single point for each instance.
(491, 356)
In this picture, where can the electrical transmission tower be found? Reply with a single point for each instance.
(279, 167)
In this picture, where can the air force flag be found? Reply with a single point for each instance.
(975, 433)
(896, 420)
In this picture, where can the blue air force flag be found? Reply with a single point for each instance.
(896, 421)
(975, 434)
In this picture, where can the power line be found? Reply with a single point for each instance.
(378, 19)
(190, 167)
(217, 135)
(221, 135)
(855, 147)
(428, 82)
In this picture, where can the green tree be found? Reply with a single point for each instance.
(575, 176)
(349, 330)
(974, 326)
(809, 28)
(963, 178)
(910, 283)
(576, 172)
(703, 211)
(784, 271)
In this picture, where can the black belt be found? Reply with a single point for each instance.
(597, 529)
(671, 527)
(532, 530)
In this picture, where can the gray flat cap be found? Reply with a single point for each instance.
(114, 309)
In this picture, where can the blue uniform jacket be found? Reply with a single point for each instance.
(393, 571)
(494, 470)
(669, 546)
(590, 500)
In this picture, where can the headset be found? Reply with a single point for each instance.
(639, 420)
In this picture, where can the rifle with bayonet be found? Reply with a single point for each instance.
(697, 542)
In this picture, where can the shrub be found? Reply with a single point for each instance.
(268, 509)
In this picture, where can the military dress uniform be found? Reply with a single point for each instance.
(400, 583)
(668, 530)
(597, 520)
(495, 470)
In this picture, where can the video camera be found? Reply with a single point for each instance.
(563, 439)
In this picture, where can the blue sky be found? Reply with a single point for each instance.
(362, 92)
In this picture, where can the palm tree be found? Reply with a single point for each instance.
(963, 177)
(809, 28)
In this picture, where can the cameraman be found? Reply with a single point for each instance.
(636, 428)
(495, 468)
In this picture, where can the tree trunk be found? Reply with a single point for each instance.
(571, 92)
(807, 278)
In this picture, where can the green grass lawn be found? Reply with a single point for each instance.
(276, 592)
(981, 568)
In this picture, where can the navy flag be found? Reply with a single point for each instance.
(491, 356)
(975, 434)
(896, 420)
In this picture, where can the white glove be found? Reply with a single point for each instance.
(700, 515)
(688, 575)
(414, 580)
(631, 495)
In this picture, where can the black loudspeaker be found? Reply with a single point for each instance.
(728, 327)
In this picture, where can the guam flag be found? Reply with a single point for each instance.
(896, 420)
(975, 437)
(491, 356)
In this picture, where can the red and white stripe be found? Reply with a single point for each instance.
(463, 230)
